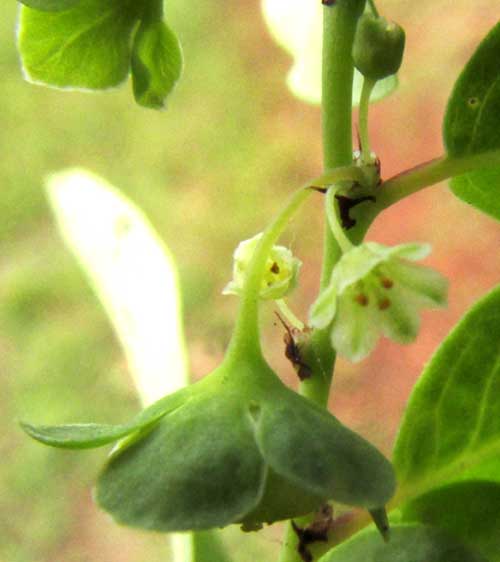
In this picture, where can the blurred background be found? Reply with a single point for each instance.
(208, 172)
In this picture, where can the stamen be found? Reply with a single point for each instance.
(384, 304)
(361, 299)
(387, 283)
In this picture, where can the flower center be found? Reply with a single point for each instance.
(373, 289)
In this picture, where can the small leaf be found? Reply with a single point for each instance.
(87, 46)
(90, 435)
(451, 428)
(407, 544)
(50, 5)
(315, 451)
(156, 63)
(472, 123)
(297, 27)
(470, 510)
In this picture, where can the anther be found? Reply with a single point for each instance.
(384, 304)
(361, 299)
(387, 283)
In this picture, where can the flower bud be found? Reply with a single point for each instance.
(378, 47)
(281, 274)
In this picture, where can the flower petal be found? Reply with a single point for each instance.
(355, 330)
(400, 321)
(356, 264)
(426, 284)
(324, 308)
(413, 251)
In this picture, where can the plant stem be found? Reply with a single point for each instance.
(430, 173)
(289, 315)
(339, 25)
(364, 133)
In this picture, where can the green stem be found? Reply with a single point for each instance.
(289, 315)
(339, 26)
(364, 133)
(430, 173)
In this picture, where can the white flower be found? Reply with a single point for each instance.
(281, 274)
(374, 290)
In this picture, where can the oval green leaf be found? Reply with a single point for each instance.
(313, 450)
(451, 428)
(87, 46)
(470, 510)
(50, 5)
(407, 544)
(472, 123)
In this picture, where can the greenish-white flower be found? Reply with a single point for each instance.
(281, 274)
(376, 290)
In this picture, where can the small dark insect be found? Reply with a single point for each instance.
(292, 351)
(328, 2)
(317, 531)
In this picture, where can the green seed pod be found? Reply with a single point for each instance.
(378, 47)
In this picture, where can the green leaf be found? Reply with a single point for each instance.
(113, 241)
(198, 468)
(156, 63)
(87, 46)
(315, 451)
(472, 123)
(451, 428)
(91, 435)
(297, 27)
(407, 544)
(470, 510)
(50, 5)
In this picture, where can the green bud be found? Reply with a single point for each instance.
(378, 47)
(156, 63)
